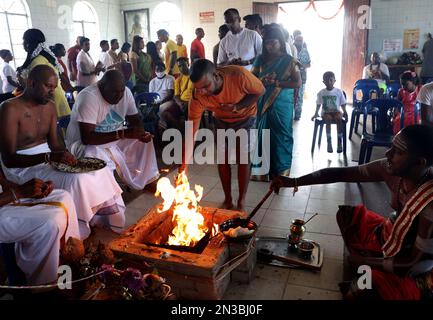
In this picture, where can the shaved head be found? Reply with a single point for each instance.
(41, 83)
(112, 86)
(41, 73)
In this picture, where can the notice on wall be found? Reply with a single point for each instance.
(207, 17)
(411, 39)
(392, 45)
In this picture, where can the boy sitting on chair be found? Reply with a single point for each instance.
(332, 100)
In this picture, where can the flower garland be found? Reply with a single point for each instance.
(313, 5)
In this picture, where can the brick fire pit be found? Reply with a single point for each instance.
(193, 273)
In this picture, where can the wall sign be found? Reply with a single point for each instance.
(207, 17)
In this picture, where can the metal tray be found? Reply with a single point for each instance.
(280, 247)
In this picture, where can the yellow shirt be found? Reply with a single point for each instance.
(170, 47)
(183, 87)
(238, 82)
(182, 51)
(62, 106)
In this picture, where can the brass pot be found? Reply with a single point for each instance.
(297, 230)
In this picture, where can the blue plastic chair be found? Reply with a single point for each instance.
(318, 126)
(383, 135)
(62, 125)
(146, 103)
(366, 82)
(392, 90)
(367, 88)
(147, 98)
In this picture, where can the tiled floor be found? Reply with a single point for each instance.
(276, 214)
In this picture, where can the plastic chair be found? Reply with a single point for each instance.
(392, 90)
(62, 125)
(383, 135)
(362, 92)
(147, 104)
(318, 125)
(365, 82)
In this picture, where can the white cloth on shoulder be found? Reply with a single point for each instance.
(37, 231)
(91, 192)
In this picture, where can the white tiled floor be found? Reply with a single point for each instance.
(276, 214)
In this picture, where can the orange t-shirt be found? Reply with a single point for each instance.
(238, 82)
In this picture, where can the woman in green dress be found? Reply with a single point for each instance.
(279, 73)
(141, 66)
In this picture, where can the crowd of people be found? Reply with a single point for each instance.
(256, 81)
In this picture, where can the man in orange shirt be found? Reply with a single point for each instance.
(231, 93)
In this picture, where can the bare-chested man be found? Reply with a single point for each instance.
(399, 249)
(29, 143)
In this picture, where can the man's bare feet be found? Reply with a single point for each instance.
(227, 204)
(240, 206)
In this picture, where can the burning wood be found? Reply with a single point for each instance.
(182, 202)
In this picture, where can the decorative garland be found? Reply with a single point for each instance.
(312, 4)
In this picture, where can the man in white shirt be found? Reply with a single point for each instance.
(7, 73)
(97, 129)
(163, 84)
(425, 97)
(87, 71)
(240, 46)
(376, 69)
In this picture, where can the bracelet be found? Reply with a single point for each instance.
(117, 135)
(47, 157)
(14, 195)
(122, 136)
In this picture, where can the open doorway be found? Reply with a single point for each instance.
(323, 37)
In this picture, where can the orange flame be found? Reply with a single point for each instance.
(190, 227)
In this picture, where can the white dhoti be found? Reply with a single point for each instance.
(36, 231)
(96, 192)
(134, 161)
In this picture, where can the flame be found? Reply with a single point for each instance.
(215, 229)
(190, 225)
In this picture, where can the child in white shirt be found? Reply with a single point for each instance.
(331, 100)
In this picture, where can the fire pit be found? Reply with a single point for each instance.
(196, 269)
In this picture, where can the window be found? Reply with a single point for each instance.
(85, 21)
(15, 15)
(166, 16)
(86, 24)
